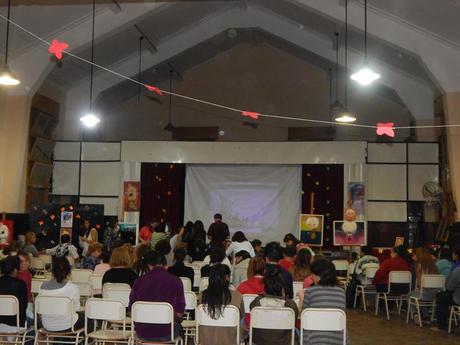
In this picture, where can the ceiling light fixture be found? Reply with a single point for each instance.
(345, 116)
(7, 78)
(90, 120)
(365, 76)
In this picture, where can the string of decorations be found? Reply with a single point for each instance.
(58, 49)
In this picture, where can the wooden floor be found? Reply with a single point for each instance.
(366, 329)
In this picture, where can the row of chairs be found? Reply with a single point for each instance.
(110, 322)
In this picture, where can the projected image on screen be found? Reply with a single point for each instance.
(251, 208)
(263, 201)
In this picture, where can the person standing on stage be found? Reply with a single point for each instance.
(218, 231)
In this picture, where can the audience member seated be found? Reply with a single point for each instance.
(399, 261)
(64, 249)
(12, 250)
(111, 234)
(92, 258)
(198, 250)
(274, 296)
(120, 271)
(216, 256)
(29, 247)
(288, 260)
(11, 285)
(103, 266)
(164, 248)
(254, 284)
(273, 253)
(140, 266)
(145, 234)
(444, 264)
(179, 269)
(366, 260)
(218, 231)
(60, 286)
(451, 296)
(300, 271)
(424, 264)
(158, 285)
(257, 245)
(158, 235)
(290, 240)
(215, 298)
(177, 238)
(24, 273)
(239, 243)
(240, 271)
(324, 294)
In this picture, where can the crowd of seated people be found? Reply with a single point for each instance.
(234, 268)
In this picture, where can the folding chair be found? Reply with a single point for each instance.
(187, 283)
(117, 292)
(341, 266)
(454, 314)
(204, 283)
(229, 318)
(280, 318)
(86, 291)
(323, 319)
(153, 313)
(189, 324)
(428, 281)
(395, 277)
(296, 287)
(59, 307)
(80, 275)
(105, 311)
(36, 285)
(364, 289)
(9, 306)
(47, 259)
(38, 267)
(247, 300)
(95, 280)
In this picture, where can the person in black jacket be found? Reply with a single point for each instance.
(179, 269)
(273, 254)
(11, 285)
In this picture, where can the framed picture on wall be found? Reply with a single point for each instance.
(350, 233)
(6, 233)
(311, 229)
(129, 233)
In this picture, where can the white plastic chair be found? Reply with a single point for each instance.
(95, 280)
(341, 265)
(395, 277)
(153, 313)
(363, 289)
(323, 319)
(187, 283)
(229, 318)
(106, 311)
(38, 266)
(454, 314)
(296, 287)
(428, 281)
(247, 300)
(204, 283)
(117, 292)
(9, 306)
(271, 318)
(56, 306)
(80, 275)
(189, 324)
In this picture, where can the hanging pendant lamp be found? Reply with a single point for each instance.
(90, 120)
(337, 106)
(169, 127)
(346, 116)
(7, 77)
(365, 76)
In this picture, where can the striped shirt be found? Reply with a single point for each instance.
(324, 297)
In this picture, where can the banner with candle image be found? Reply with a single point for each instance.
(311, 229)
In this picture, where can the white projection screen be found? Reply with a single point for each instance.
(263, 201)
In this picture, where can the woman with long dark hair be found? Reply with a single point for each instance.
(301, 271)
(214, 299)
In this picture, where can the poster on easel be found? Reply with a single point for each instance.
(350, 233)
(66, 219)
(311, 229)
(6, 233)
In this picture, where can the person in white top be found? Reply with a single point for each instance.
(59, 286)
(239, 243)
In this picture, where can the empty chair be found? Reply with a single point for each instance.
(58, 308)
(105, 311)
(190, 306)
(296, 287)
(95, 280)
(247, 300)
(341, 266)
(86, 290)
(315, 321)
(269, 319)
(38, 267)
(454, 315)
(230, 318)
(395, 277)
(152, 313)
(187, 283)
(363, 289)
(9, 306)
(80, 276)
(117, 292)
(428, 281)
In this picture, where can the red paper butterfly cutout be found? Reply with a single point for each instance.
(386, 129)
(154, 89)
(251, 114)
(57, 48)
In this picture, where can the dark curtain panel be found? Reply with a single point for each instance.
(326, 182)
(162, 193)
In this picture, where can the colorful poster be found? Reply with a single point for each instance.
(350, 233)
(311, 229)
(399, 241)
(65, 231)
(6, 233)
(129, 233)
(66, 219)
(356, 193)
(132, 196)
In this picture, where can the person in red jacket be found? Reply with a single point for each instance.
(399, 260)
